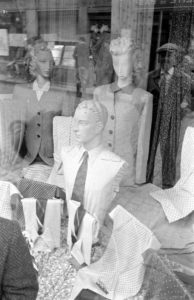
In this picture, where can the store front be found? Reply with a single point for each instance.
(128, 66)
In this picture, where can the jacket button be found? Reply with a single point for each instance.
(38, 113)
(110, 131)
(112, 117)
(109, 144)
(38, 124)
(38, 135)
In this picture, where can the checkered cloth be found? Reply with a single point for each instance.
(120, 271)
(160, 282)
(41, 191)
(178, 202)
(10, 204)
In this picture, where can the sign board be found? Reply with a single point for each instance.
(4, 44)
(174, 3)
(17, 39)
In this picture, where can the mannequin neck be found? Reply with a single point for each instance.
(122, 82)
(95, 142)
(41, 80)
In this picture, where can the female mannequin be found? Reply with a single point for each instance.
(127, 132)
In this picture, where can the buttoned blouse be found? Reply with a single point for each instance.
(128, 126)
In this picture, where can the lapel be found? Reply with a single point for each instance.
(156, 78)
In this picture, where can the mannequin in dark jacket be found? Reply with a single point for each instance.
(18, 278)
(42, 103)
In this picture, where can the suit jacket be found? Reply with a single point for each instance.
(38, 137)
(18, 278)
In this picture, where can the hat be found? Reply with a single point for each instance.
(168, 47)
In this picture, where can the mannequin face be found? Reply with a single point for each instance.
(43, 67)
(43, 64)
(85, 126)
(122, 64)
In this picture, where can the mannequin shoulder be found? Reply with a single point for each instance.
(111, 156)
(69, 151)
(101, 89)
(22, 88)
(143, 95)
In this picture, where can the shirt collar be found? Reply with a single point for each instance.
(115, 88)
(92, 154)
(44, 88)
(170, 72)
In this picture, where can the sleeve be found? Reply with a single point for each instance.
(20, 277)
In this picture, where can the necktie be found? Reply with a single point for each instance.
(78, 191)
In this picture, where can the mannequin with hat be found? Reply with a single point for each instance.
(170, 88)
(127, 132)
(42, 103)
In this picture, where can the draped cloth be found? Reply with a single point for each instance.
(120, 271)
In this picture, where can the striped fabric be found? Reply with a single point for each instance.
(37, 172)
(63, 133)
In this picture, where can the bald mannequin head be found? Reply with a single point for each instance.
(89, 121)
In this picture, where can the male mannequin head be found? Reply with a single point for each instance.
(89, 121)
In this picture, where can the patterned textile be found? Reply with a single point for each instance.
(119, 272)
(167, 128)
(168, 119)
(10, 204)
(78, 191)
(41, 191)
(18, 277)
(37, 172)
(177, 202)
(160, 282)
(63, 134)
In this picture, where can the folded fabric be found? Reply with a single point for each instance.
(177, 202)
(120, 271)
(50, 235)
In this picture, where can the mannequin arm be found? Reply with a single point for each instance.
(144, 138)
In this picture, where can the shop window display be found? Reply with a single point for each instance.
(82, 36)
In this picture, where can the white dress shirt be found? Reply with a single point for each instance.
(40, 90)
(105, 171)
